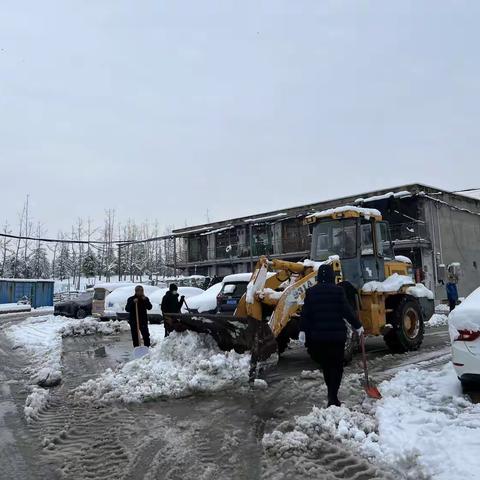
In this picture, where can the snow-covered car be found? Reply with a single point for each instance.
(233, 289)
(78, 307)
(155, 314)
(206, 302)
(115, 302)
(464, 328)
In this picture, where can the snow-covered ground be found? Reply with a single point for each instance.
(423, 427)
(180, 365)
(13, 307)
(41, 339)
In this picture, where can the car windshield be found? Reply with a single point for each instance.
(235, 289)
(99, 294)
(85, 296)
(334, 237)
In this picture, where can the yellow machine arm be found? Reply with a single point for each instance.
(284, 292)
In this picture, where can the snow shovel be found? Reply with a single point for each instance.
(141, 351)
(370, 389)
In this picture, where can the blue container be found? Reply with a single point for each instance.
(39, 292)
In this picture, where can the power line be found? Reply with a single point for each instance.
(85, 242)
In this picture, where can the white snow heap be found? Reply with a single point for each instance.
(181, 365)
(422, 428)
(395, 282)
(465, 316)
(437, 320)
(365, 212)
(35, 402)
(316, 265)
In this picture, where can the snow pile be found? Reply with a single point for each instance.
(307, 263)
(35, 403)
(311, 374)
(181, 365)
(465, 316)
(423, 427)
(391, 284)
(395, 282)
(206, 301)
(91, 326)
(437, 320)
(420, 291)
(365, 212)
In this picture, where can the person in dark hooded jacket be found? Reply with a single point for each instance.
(323, 328)
(171, 304)
(139, 303)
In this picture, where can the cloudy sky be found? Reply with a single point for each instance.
(166, 109)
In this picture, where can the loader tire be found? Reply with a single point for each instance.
(408, 327)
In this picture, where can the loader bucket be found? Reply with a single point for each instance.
(231, 333)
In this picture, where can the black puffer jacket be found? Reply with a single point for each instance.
(143, 305)
(325, 309)
(171, 303)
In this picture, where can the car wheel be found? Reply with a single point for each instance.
(408, 327)
(81, 313)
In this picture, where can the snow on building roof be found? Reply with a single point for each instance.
(218, 230)
(267, 217)
(364, 212)
(385, 196)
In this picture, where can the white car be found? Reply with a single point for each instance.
(464, 328)
(115, 302)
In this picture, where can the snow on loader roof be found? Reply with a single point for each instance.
(367, 213)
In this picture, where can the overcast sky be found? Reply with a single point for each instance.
(164, 109)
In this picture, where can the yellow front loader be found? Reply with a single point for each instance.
(380, 289)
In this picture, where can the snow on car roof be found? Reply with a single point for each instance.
(242, 277)
(112, 285)
(466, 316)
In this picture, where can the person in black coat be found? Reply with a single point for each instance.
(323, 328)
(142, 304)
(171, 304)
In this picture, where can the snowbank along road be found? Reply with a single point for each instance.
(187, 412)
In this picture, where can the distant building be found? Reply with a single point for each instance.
(429, 225)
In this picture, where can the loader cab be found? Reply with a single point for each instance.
(358, 236)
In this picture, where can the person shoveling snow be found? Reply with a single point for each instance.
(137, 307)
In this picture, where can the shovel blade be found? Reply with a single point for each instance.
(373, 392)
(139, 352)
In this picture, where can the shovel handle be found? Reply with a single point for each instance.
(138, 322)
(364, 359)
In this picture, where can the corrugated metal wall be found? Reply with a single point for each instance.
(39, 292)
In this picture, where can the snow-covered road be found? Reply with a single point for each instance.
(229, 434)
